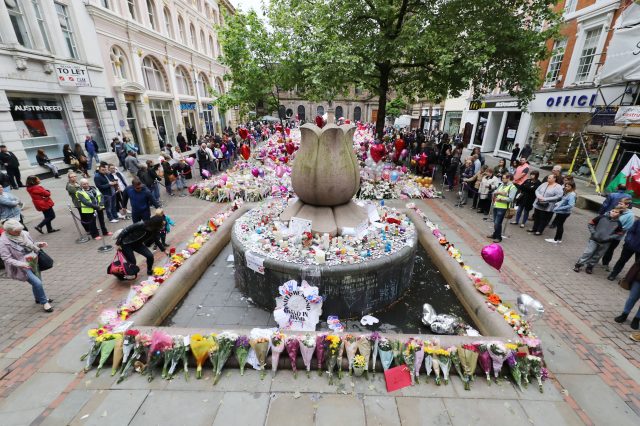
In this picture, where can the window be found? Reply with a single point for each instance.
(153, 75)
(183, 85)
(203, 44)
(18, 23)
(105, 4)
(67, 29)
(357, 113)
(203, 86)
(570, 6)
(183, 36)
(301, 113)
(212, 47)
(588, 54)
(192, 37)
(320, 110)
(555, 62)
(339, 112)
(131, 4)
(151, 11)
(42, 25)
(118, 62)
(168, 29)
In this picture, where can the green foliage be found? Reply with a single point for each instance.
(396, 107)
(423, 48)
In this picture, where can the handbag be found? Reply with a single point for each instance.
(511, 212)
(631, 276)
(45, 261)
(121, 268)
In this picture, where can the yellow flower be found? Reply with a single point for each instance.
(511, 346)
(197, 337)
(93, 332)
(158, 271)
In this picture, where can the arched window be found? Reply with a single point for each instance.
(203, 86)
(151, 13)
(168, 25)
(219, 87)
(183, 82)
(320, 110)
(153, 74)
(339, 113)
(131, 5)
(219, 49)
(212, 47)
(301, 114)
(118, 62)
(192, 37)
(357, 113)
(181, 30)
(203, 44)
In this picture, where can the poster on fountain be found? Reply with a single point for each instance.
(298, 225)
(255, 263)
(298, 307)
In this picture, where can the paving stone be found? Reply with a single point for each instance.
(340, 410)
(69, 408)
(484, 411)
(381, 411)
(284, 382)
(138, 381)
(420, 411)
(67, 360)
(230, 315)
(281, 410)
(560, 357)
(191, 408)
(550, 413)
(116, 407)
(242, 409)
(230, 381)
(598, 400)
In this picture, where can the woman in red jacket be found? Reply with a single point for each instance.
(42, 202)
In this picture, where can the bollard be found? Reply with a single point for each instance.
(104, 248)
(83, 238)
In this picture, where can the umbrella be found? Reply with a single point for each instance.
(269, 118)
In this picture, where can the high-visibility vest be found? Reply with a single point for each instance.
(84, 208)
(498, 204)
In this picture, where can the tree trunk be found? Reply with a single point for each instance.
(382, 100)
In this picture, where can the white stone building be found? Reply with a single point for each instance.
(52, 79)
(162, 59)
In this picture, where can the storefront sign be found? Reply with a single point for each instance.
(72, 75)
(628, 115)
(111, 104)
(571, 100)
(37, 108)
(475, 105)
(187, 106)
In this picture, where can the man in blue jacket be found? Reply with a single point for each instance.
(613, 199)
(107, 188)
(91, 147)
(631, 247)
(141, 200)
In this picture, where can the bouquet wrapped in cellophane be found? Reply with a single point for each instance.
(332, 342)
(242, 347)
(307, 347)
(277, 347)
(200, 348)
(226, 341)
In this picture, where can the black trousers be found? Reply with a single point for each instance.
(49, 215)
(627, 253)
(559, 222)
(608, 255)
(541, 219)
(90, 220)
(129, 249)
(14, 177)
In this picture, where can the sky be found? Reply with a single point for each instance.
(245, 5)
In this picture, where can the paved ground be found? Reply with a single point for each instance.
(594, 366)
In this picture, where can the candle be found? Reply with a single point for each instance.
(320, 256)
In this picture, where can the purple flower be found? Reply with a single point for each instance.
(375, 336)
(242, 341)
(511, 359)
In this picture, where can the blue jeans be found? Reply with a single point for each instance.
(38, 289)
(498, 216)
(522, 209)
(90, 157)
(634, 296)
(155, 191)
(110, 206)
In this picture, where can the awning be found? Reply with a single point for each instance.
(622, 63)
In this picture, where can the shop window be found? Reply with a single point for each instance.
(339, 112)
(301, 113)
(483, 118)
(17, 19)
(588, 54)
(131, 5)
(183, 85)
(168, 28)
(510, 130)
(153, 75)
(118, 62)
(357, 113)
(553, 71)
(181, 30)
(67, 29)
(151, 13)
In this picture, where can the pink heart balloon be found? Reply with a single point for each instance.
(206, 173)
(493, 255)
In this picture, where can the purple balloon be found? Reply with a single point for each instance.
(493, 255)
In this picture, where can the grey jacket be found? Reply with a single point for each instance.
(13, 256)
(603, 229)
(550, 195)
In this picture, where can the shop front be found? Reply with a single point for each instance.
(162, 121)
(188, 111)
(452, 121)
(41, 122)
(208, 118)
(498, 126)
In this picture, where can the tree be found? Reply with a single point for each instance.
(259, 60)
(396, 107)
(425, 48)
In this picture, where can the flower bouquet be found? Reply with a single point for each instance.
(277, 347)
(161, 342)
(117, 356)
(429, 353)
(484, 359)
(385, 351)
(436, 366)
(108, 343)
(444, 359)
(359, 365)
(468, 356)
(408, 354)
(339, 360)
(375, 338)
(396, 348)
(364, 347)
(320, 351)
(94, 351)
(307, 347)
(351, 347)
(523, 366)
(498, 354)
(535, 363)
(242, 347)
(200, 348)
(226, 341)
(142, 342)
(213, 352)
(260, 346)
(179, 353)
(332, 342)
(418, 357)
(292, 344)
(515, 370)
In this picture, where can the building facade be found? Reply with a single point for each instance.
(52, 79)
(161, 60)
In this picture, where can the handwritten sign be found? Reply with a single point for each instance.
(298, 225)
(372, 211)
(255, 263)
(361, 229)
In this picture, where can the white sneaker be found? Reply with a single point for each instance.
(114, 221)
(551, 240)
(121, 216)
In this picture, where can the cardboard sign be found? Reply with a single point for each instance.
(298, 307)
(298, 225)
(361, 229)
(372, 211)
(397, 378)
(255, 263)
